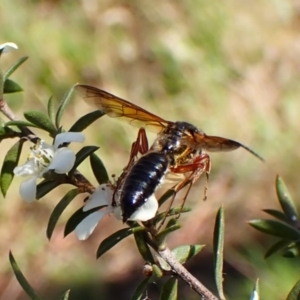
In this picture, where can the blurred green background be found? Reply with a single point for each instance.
(230, 67)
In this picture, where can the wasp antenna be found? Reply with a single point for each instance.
(251, 151)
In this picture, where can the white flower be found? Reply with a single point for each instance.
(45, 157)
(101, 197)
(7, 47)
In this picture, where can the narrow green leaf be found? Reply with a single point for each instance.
(81, 155)
(293, 250)
(20, 123)
(294, 294)
(14, 67)
(277, 214)
(286, 200)
(185, 252)
(171, 226)
(157, 273)
(277, 247)
(168, 194)
(46, 186)
(86, 121)
(173, 212)
(11, 160)
(140, 290)
(11, 87)
(255, 292)
(169, 290)
(143, 247)
(163, 264)
(77, 217)
(50, 110)
(115, 238)
(276, 228)
(218, 250)
(66, 295)
(6, 132)
(22, 280)
(99, 169)
(41, 120)
(62, 106)
(59, 209)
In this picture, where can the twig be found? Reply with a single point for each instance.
(6, 110)
(184, 274)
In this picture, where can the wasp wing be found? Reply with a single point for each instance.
(116, 107)
(215, 144)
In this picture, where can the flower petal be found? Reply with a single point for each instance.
(68, 137)
(147, 211)
(29, 168)
(63, 161)
(86, 227)
(101, 196)
(28, 189)
(7, 47)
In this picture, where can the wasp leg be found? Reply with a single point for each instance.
(140, 145)
(195, 169)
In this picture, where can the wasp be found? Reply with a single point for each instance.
(179, 149)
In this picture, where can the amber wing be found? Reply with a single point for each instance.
(116, 107)
(215, 144)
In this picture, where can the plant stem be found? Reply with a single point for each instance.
(185, 275)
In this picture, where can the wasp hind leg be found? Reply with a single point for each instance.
(192, 172)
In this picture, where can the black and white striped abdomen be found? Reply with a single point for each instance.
(141, 182)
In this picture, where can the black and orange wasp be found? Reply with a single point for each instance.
(179, 149)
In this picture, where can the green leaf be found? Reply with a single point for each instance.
(46, 186)
(218, 250)
(86, 121)
(291, 253)
(173, 212)
(255, 292)
(77, 217)
(66, 295)
(20, 123)
(50, 110)
(14, 67)
(280, 245)
(276, 228)
(277, 214)
(6, 132)
(81, 155)
(62, 106)
(22, 280)
(41, 120)
(171, 226)
(140, 290)
(157, 273)
(294, 294)
(168, 194)
(169, 290)
(59, 209)
(99, 169)
(143, 247)
(11, 160)
(293, 250)
(11, 87)
(163, 264)
(286, 200)
(185, 252)
(115, 238)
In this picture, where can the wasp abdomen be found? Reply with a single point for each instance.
(141, 182)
